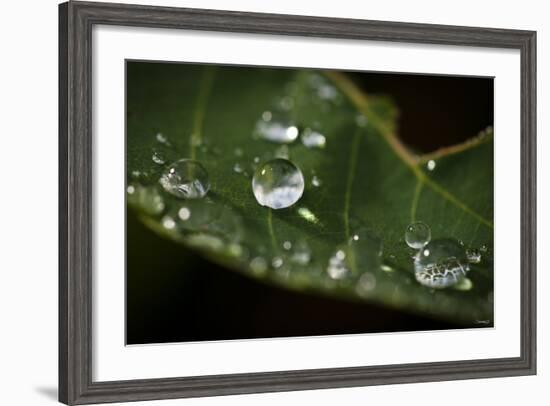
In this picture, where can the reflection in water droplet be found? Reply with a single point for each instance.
(146, 198)
(464, 285)
(186, 179)
(417, 235)
(278, 128)
(278, 184)
(442, 263)
(315, 181)
(431, 165)
(313, 139)
(474, 255)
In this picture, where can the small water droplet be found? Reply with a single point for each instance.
(196, 140)
(258, 265)
(161, 138)
(442, 263)
(278, 128)
(238, 152)
(386, 268)
(301, 253)
(146, 198)
(186, 179)
(337, 267)
(168, 223)
(278, 184)
(287, 245)
(308, 215)
(237, 168)
(286, 103)
(267, 115)
(365, 284)
(474, 255)
(315, 181)
(313, 139)
(361, 120)
(464, 284)
(277, 262)
(483, 248)
(184, 213)
(417, 235)
(256, 159)
(158, 157)
(431, 165)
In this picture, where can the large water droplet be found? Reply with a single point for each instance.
(417, 235)
(276, 128)
(441, 263)
(278, 184)
(313, 139)
(185, 179)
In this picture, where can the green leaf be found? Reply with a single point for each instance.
(369, 183)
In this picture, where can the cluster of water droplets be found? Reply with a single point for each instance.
(440, 263)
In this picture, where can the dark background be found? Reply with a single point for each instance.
(191, 299)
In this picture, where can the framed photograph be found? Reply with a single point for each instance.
(260, 202)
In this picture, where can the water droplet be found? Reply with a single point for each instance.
(168, 223)
(267, 115)
(442, 263)
(278, 128)
(313, 139)
(196, 140)
(146, 198)
(337, 267)
(186, 179)
(277, 262)
(315, 181)
(417, 235)
(327, 92)
(361, 120)
(161, 138)
(184, 213)
(158, 157)
(258, 265)
(278, 184)
(386, 268)
(238, 152)
(308, 215)
(256, 159)
(301, 253)
(474, 255)
(366, 284)
(431, 165)
(483, 248)
(287, 245)
(237, 168)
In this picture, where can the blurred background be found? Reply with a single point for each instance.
(189, 298)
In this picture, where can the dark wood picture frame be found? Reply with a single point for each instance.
(76, 20)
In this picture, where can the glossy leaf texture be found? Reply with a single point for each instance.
(360, 181)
